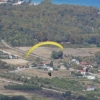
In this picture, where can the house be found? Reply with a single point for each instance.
(94, 64)
(90, 66)
(75, 61)
(18, 3)
(82, 72)
(84, 68)
(71, 69)
(99, 69)
(3, 1)
(47, 63)
(36, 3)
(62, 67)
(10, 56)
(20, 67)
(91, 77)
(84, 63)
(90, 88)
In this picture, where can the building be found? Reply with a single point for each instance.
(75, 61)
(84, 63)
(62, 67)
(18, 3)
(90, 88)
(91, 77)
(82, 72)
(3, 1)
(20, 67)
(10, 56)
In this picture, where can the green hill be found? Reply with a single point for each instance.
(25, 25)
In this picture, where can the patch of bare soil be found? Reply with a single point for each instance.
(16, 61)
(46, 51)
(44, 74)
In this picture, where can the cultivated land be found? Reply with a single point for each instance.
(44, 74)
(37, 94)
(46, 51)
(15, 61)
(13, 52)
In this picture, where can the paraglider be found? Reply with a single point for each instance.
(50, 69)
(43, 43)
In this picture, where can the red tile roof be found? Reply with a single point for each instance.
(84, 63)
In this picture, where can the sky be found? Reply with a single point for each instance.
(95, 3)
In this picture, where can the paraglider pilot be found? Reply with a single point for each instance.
(49, 71)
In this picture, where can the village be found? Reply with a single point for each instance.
(79, 69)
(19, 2)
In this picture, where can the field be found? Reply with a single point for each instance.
(44, 74)
(36, 94)
(13, 52)
(16, 61)
(46, 51)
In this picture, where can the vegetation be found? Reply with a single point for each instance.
(34, 64)
(4, 65)
(25, 25)
(62, 83)
(23, 87)
(40, 98)
(97, 55)
(4, 97)
(56, 55)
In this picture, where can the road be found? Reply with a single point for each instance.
(18, 70)
(19, 50)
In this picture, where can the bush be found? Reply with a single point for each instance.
(57, 55)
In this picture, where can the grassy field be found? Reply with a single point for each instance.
(46, 51)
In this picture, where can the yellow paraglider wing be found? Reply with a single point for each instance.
(43, 43)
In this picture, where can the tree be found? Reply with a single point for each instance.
(46, 2)
(57, 55)
(18, 98)
(54, 55)
(34, 64)
(81, 98)
(67, 94)
(60, 54)
(87, 69)
(66, 65)
(97, 55)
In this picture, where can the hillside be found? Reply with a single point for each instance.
(25, 25)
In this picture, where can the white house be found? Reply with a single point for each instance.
(82, 72)
(3, 1)
(10, 56)
(91, 77)
(18, 3)
(75, 61)
(90, 88)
